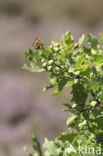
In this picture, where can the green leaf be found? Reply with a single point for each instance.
(71, 119)
(87, 51)
(50, 62)
(84, 67)
(68, 40)
(101, 37)
(70, 108)
(68, 105)
(48, 87)
(96, 59)
(45, 53)
(26, 150)
(36, 145)
(93, 41)
(71, 69)
(56, 91)
(79, 93)
(53, 81)
(82, 124)
(33, 68)
(69, 83)
(93, 103)
(79, 43)
(28, 54)
(92, 84)
(67, 136)
(34, 154)
(80, 61)
(50, 147)
(32, 55)
(61, 84)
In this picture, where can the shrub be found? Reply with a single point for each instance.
(79, 66)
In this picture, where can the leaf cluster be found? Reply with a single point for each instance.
(78, 65)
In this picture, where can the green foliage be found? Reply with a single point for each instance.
(36, 145)
(79, 66)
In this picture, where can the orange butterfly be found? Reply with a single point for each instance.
(37, 44)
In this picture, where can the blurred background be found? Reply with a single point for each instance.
(24, 107)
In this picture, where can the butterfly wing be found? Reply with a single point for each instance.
(37, 44)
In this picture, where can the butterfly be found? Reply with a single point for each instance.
(37, 44)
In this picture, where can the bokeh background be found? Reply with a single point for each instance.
(24, 108)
